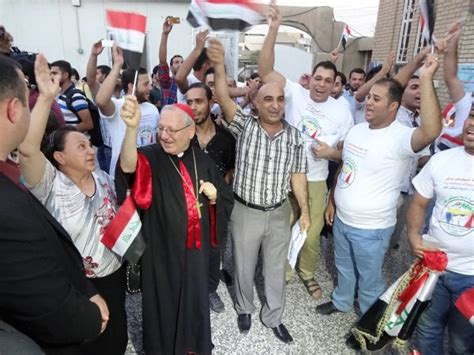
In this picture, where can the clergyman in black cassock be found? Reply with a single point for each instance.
(175, 264)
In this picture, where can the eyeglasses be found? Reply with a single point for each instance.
(171, 131)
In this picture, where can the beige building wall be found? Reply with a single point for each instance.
(389, 24)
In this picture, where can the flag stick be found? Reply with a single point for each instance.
(135, 83)
(340, 41)
(432, 48)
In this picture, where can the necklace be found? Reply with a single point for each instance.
(190, 188)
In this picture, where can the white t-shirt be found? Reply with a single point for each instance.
(450, 176)
(374, 163)
(328, 121)
(84, 218)
(146, 131)
(342, 100)
(407, 118)
(191, 80)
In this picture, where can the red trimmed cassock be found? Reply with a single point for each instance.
(175, 263)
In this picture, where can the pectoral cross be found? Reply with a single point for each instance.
(198, 207)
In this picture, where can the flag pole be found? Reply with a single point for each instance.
(340, 41)
(135, 83)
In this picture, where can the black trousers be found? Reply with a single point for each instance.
(114, 339)
(215, 255)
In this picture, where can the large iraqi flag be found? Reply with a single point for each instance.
(127, 29)
(427, 20)
(236, 15)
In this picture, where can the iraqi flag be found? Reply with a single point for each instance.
(127, 29)
(427, 20)
(346, 34)
(451, 135)
(393, 317)
(122, 235)
(218, 15)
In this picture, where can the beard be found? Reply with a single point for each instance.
(204, 119)
(141, 98)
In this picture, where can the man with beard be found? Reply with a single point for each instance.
(182, 199)
(81, 118)
(356, 80)
(110, 106)
(220, 145)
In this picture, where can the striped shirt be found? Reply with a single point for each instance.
(78, 102)
(264, 164)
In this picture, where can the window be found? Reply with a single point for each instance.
(407, 19)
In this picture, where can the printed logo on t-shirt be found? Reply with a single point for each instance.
(310, 127)
(347, 174)
(146, 136)
(457, 216)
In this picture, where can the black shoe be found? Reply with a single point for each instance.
(282, 334)
(326, 308)
(352, 343)
(244, 321)
(215, 302)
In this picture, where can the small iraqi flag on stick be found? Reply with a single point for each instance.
(346, 34)
(427, 20)
(122, 235)
(127, 29)
(236, 15)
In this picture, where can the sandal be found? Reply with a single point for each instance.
(313, 288)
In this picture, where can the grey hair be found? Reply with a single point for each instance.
(187, 120)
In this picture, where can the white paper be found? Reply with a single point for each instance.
(296, 243)
(107, 43)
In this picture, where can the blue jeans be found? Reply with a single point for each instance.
(442, 312)
(359, 255)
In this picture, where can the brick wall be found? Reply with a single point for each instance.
(387, 32)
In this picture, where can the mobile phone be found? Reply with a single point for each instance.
(174, 20)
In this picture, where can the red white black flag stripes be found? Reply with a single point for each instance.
(345, 36)
(465, 304)
(393, 317)
(127, 29)
(121, 234)
(237, 15)
(427, 20)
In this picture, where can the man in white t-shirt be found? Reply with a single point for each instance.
(110, 107)
(375, 157)
(323, 122)
(196, 60)
(449, 175)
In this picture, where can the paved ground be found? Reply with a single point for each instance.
(313, 333)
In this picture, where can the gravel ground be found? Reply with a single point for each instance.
(312, 333)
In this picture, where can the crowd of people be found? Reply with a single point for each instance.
(209, 164)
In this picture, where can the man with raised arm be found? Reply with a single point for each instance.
(376, 156)
(169, 88)
(270, 157)
(323, 122)
(110, 106)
